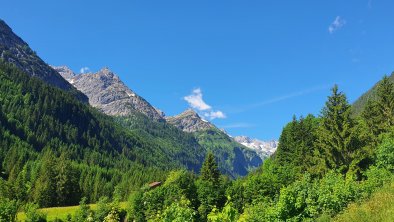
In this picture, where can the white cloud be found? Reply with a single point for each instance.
(336, 24)
(84, 70)
(215, 115)
(197, 102)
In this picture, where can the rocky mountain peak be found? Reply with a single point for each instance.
(189, 121)
(66, 72)
(105, 71)
(109, 94)
(190, 113)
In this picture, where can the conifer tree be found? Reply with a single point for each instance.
(45, 186)
(336, 141)
(209, 170)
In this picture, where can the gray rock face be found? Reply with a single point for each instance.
(109, 94)
(14, 50)
(263, 148)
(189, 121)
(65, 72)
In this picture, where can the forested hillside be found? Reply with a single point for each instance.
(46, 133)
(360, 103)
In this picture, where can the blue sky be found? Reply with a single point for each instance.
(250, 64)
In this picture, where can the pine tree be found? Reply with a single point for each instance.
(67, 187)
(209, 170)
(45, 186)
(208, 187)
(335, 137)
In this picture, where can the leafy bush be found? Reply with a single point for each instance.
(179, 211)
(8, 210)
(33, 215)
(385, 154)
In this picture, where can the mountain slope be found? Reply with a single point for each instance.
(14, 50)
(36, 118)
(234, 159)
(360, 103)
(109, 94)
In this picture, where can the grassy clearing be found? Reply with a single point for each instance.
(380, 207)
(62, 212)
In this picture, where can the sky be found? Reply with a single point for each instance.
(247, 66)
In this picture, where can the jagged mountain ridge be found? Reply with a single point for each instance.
(16, 51)
(189, 121)
(263, 148)
(109, 94)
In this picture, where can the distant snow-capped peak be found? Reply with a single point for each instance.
(263, 148)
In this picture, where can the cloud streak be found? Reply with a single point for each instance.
(283, 98)
(237, 125)
(337, 24)
(196, 101)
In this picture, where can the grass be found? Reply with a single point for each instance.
(380, 207)
(61, 212)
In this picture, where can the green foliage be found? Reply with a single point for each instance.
(337, 142)
(297, 144)
(135, 207)
(385, 154)
(228, 214)
(8, 210)
(83, 213)
(209, 170)
(33, 215)
(380, 207)
(209, 188)
(103, 209)
(179, 211)
(113, 215)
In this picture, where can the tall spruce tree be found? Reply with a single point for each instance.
(209, 170)
(45, 186)
(336, 141)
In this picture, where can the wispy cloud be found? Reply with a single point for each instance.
(336, 24)
(84, 70)
(215, 115)
(237, 125)
(283, 98)
(196, 101)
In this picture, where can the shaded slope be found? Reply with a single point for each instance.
(14, 50)
(360, 103)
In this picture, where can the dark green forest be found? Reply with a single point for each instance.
(57, 151)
